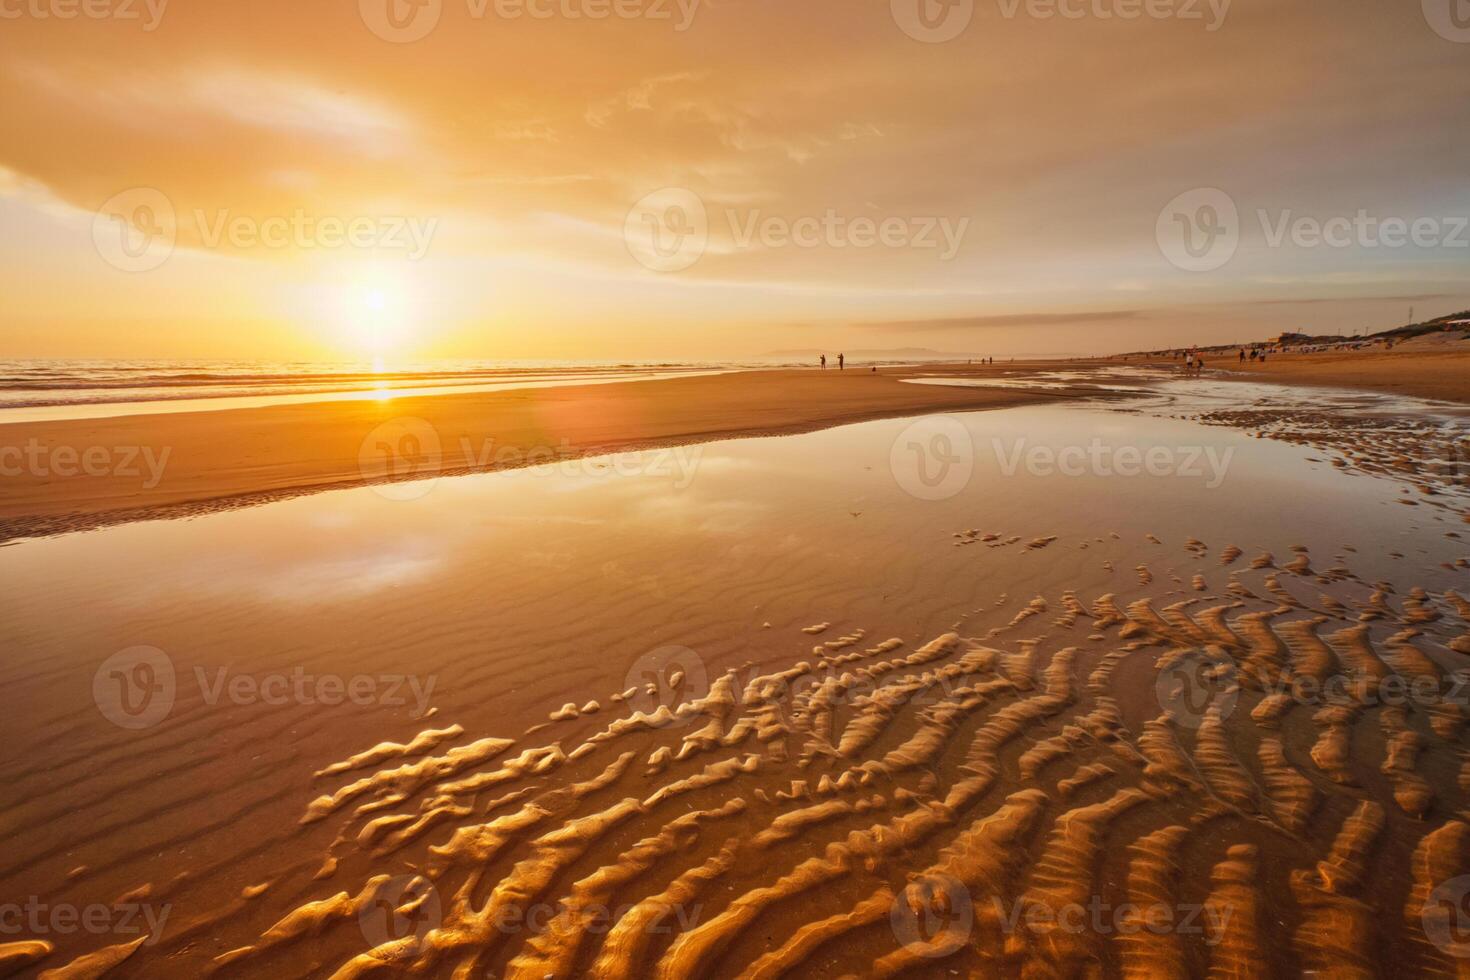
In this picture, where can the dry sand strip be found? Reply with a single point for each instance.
(240, 457)
(1440, 375)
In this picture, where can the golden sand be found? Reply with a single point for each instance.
(897, 754)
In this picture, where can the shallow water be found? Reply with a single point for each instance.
(47, 405)
(503, 602)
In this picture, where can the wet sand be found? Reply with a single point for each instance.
(71, 474)
(818, 710)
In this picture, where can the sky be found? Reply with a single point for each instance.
(692, 179)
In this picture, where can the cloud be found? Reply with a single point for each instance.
(1006, 320)
(1319, 300)
(1059, 140)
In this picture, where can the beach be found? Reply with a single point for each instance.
(734, 491)
(965, 678)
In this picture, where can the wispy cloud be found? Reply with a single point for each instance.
(1005, 320)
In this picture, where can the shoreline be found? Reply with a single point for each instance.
(78, 474)
(67, 475)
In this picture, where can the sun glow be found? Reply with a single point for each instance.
(377, 317)
(369, 315)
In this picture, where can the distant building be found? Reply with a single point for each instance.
(1281, 340)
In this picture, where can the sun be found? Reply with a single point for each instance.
(373, 314)
(377, 318)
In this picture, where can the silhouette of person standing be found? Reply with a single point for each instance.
(840, 359)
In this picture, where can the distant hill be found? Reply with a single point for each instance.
(1454, 321)
(1451, 322)
(1453, 326)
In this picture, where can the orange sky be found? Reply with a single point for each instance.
(1000, 191)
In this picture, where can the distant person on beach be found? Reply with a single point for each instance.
(841, 359)
(1263, 357)
(1242, 355)
(824, 362)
